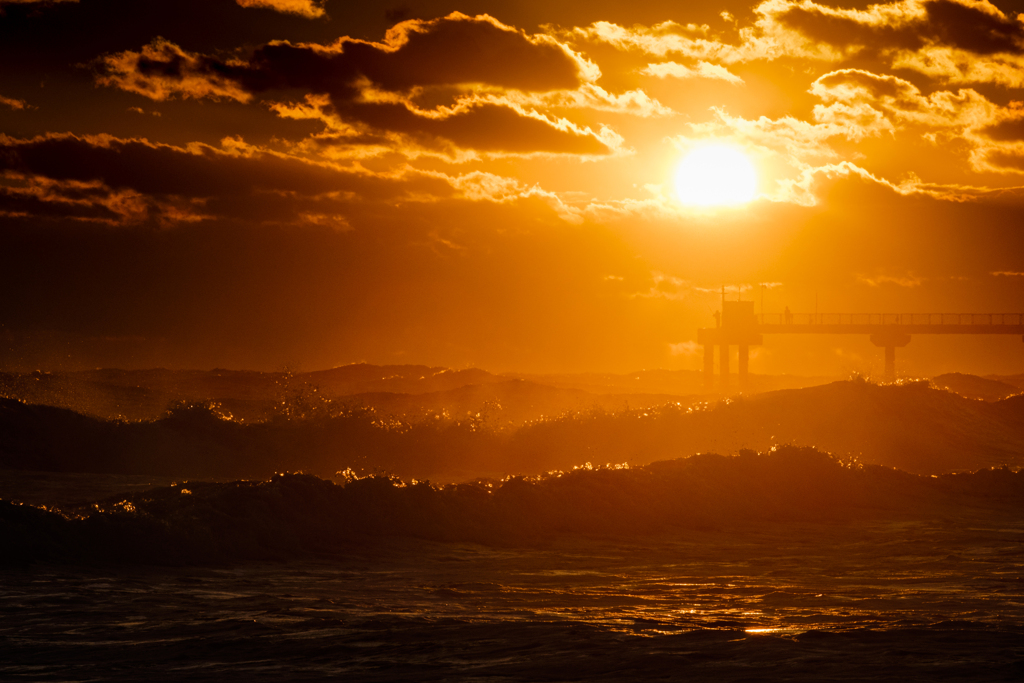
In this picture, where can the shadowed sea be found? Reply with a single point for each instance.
(864, 600)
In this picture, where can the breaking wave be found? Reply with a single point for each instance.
(911, 427)
(296, 515)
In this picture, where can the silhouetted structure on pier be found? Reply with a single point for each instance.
(739, 326)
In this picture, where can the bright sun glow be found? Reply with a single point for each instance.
(716, 175)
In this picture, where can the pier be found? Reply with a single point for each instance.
(740, 326)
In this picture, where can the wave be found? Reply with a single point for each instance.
(296, 515)
(911, 427)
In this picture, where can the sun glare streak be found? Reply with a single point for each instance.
(716, 175)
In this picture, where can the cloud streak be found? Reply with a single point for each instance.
(702, 70)
(310, 9)
(14, 104)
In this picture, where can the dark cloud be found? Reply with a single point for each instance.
(162, 169)
(171, 183)
(969, 28)
(484, 127)
(454, 51)
(1010, 130)
(53, 203)
(59, 35)
(945, 23)
(845, 31)
(1008, 159)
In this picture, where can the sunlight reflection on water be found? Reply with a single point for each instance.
(433, 611)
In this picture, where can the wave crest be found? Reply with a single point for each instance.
(294, 515)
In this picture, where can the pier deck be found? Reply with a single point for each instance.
(741, 327)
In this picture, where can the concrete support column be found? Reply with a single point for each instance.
(723, 364)
(709, 367)
(890, 341)
(743, 364)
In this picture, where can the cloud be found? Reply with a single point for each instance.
(15, 104)
(473, 127)
(731, 290)
(132, 181)
(1006, 273)
(483, 127)
(687, 349)
(797, 155)
(952, 41)
(358, 87)
(311, 9)
(163, 71)
(953, 66)
(765, 39)
(170, 184)
(43, 198)
(804, 188)
(588, 96)
(794, 142)
(140, 110)
(154, 168)
(908, 281)
(456, 50)
(703, 70)
(970, 25)
(336, 222)
(665, 286)
(482, 186)
(870, 104)
(661, 39)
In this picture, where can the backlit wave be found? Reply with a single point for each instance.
(297, 515)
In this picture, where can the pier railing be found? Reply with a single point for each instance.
(852, 319)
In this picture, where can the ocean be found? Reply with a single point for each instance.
(785, 565)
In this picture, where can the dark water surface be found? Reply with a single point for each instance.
(881, 601)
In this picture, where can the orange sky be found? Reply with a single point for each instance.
(291, 183)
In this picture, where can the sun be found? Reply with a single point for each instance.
(716, 175)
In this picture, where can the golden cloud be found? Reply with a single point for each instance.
(765, 39)
(311, 9)
(910, 280)
(587, 96)
(866, 103)
(163, 71)
(23, 196)
(702, 70)
(952, 41)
